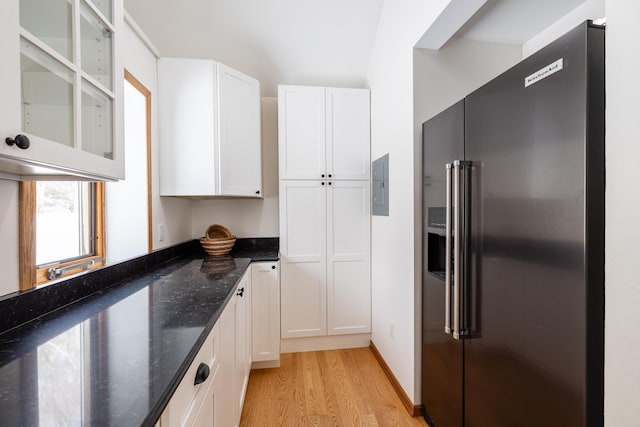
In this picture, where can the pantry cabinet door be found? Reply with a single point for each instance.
(301, 132)
(303, 261)
(348, 258)
(348, 133)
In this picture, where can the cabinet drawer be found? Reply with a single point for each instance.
(188, 397)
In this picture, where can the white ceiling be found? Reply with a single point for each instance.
(325, 42)
(322, 42)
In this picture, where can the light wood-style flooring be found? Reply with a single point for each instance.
(324, 388)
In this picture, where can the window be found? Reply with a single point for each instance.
(61, 230)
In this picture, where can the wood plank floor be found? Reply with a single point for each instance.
(324, 388)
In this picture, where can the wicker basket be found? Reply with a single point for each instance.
(218, 240)
(217, 231)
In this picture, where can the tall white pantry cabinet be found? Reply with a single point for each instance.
(324, 166)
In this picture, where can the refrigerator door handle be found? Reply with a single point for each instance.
(447, 256)
(457, 249)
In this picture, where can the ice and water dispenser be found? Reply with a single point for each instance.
(436, 242)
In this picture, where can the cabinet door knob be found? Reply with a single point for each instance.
(329, 175)
(323, 183)
(257, 191)
(273, 267)
(329, 182)
(21, 141)
(322, 175)
(240, 292)
(201, 374)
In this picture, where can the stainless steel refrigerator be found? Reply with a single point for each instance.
(513, 244)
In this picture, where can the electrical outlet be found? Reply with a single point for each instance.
(160, 232)
(392, 329)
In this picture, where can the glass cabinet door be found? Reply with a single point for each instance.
(96, 48)
(51, 22)
(97, 121)
(47, 95)
(105, 7)
(62, 84)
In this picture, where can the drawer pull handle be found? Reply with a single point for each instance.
(201, 374)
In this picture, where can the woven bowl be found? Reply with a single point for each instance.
(218, 246)
(217, 231)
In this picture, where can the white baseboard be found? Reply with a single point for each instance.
(266, 364)
(333, 342)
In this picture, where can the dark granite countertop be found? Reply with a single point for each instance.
(258, 249)
(115, 357)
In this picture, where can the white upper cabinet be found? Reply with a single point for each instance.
(62, 88)
(239, 112)
(323, 132)
(209, 130)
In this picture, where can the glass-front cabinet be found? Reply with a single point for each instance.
(62, 86)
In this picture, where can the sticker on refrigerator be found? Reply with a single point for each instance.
(543, 73)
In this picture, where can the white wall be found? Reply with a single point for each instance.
(126, 204)
(249, 217)
(590, 9)
(9, 236)
(444, 77)
(622, 270)
(393, 293)
(173, 213)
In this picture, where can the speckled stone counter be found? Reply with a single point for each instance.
(115, 357)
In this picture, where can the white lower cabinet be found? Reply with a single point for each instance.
(242, 364)
(191, 402)
(217, 401)
(265, 308)
(223, 386)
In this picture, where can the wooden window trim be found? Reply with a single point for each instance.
(30, 275)
(147, 94)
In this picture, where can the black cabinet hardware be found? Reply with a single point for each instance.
(201, 374)
(21, 141)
